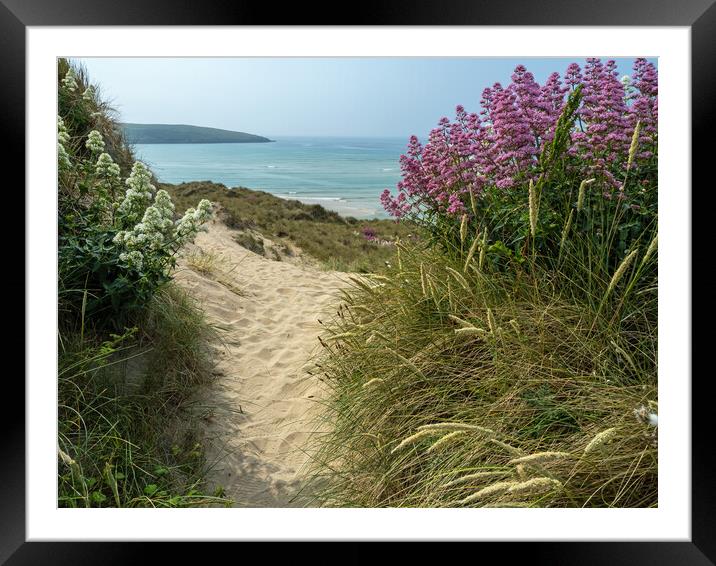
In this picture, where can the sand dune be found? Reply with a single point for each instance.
(267, 314)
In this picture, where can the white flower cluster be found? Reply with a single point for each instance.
(133, 259)
(138, 195)
(70, 82)
(151, 234)
(158, 231)
(107, 168)
(63, 138)
(193, 221)
(62, 135)
(94, 142)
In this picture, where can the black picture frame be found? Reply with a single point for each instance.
(699, 15)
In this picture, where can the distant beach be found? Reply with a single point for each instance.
(346, 175)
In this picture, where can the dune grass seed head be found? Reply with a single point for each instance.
(412, 439)
(423, 281)
(651, 249)
(483, 249)
(490, 491)
(532, 197)
(476, 477)
(535, 486)
(443, 440)
(634, 144)
(470, 254)
(457, 426)
(582, 192)
(540, 458)
(491, 321)
(619, 273)
(459, 278)
(507, 447)
(567, 226)
(600, 440)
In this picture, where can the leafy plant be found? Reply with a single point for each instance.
(117, 237)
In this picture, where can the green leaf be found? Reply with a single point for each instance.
(98, 497)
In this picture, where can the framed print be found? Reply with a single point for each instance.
(388, 279)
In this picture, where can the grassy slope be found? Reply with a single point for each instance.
(180, 133)
(545, 373)
(124, 414)
(335, 241)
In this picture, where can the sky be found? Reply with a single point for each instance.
(274, 97)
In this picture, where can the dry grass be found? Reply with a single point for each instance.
(543, 378)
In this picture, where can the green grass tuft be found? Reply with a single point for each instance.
(127, 434)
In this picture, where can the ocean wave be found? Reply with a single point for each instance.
(296, 196)
(322, 198)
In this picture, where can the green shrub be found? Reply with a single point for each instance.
(117, 238)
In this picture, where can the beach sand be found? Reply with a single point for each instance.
(258, 425)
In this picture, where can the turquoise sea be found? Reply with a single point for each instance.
(343, 174)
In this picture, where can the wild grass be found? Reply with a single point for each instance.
(204, 262)
(337, 242)
(453, 385)
(127, 432)
(214, 266)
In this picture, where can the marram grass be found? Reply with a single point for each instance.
(527, 401)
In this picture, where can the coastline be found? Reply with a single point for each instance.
(346, 175)
(343, 206)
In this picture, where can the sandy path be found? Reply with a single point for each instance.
(264, 397)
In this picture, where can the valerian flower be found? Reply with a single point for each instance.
(62, 135)
(63, 138)
(192, 222)
(63, 158)
(106, 167)
(94, 142)
(138, 195)
(133, 259)
(70, 81)
(501, 145)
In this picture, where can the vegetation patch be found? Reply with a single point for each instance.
(510, 359)
(344, 244)
(133, 348)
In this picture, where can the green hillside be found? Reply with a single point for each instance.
(181, 133)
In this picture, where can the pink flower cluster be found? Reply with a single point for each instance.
(500, 146)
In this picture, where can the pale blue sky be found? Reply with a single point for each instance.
(307, 97)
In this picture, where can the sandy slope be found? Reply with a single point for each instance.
(267, 314)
